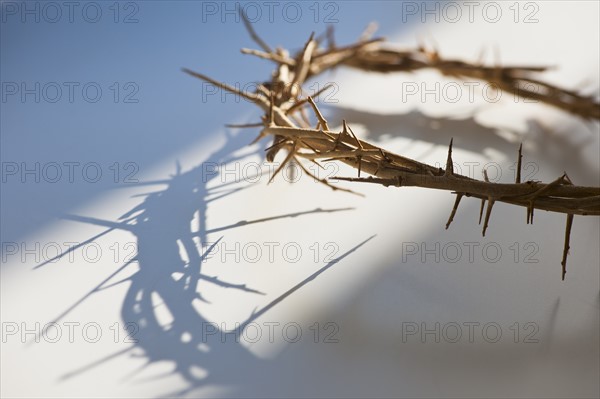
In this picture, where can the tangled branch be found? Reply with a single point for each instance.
(286, 120)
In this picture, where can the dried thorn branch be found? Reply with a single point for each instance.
(276, 57)
(374, 55)
(368, 32)
(303, 101)
(244, 125)
(322, 120)
(559, 195)
(288, 157)
(286, 120)
(253, 33)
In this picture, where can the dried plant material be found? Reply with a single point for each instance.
(287, 121)
(394, 170)
(566, 247)
(516, 80)
(374, 55)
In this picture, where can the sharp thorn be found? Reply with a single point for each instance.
(488, 213)
(271, 110)
(481, 209)
(519, 160)
(566, 247)
(449, 164)
(253, 33)
(485, 176)
(344, 127)
(285, 161)
(454, 208)
(531, 209)
(567, 179)
(358, 143)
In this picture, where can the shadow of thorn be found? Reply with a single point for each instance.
(161, 226)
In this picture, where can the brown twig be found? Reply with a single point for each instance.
(286, 120)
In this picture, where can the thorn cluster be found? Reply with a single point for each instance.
(287, 120)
